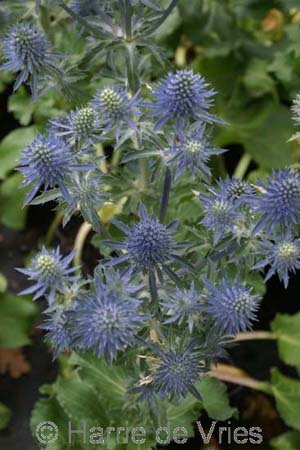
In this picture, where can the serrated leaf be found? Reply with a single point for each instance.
(49, 410)
(215, 398)
(184, 414)
(287, 395)
(109, 381)
(5, 416)
(16, 319)
(286, 441)
(80, 401)
(287, 331)
(11, 146)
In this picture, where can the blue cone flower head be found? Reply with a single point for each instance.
(177, 371)
(193, 153)
(148, 243)
(282, 254)
(106, 321)
(279, 201)
(235, 190)
(58, 332)
(149, 246)
(46, 162)
(181, 96)
(117, 108)
(27, 50)
(183, 306)
(231, 305)
(220, 214)
(51, 272)
(81, 125)
(86, 193)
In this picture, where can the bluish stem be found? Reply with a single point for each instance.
(165, 195)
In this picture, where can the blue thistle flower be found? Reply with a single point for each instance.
(107, 320)
(193, 152)
(47, 162)
(27, 50)
(58, 331)
(235, 190)
(180, 96)
(279, 201)
(282, 254)
(183, 306)
(220, 214)
(117, 108)
(231, 305)
(51, 272)
(149, 247)
(177, 371)
(86, 193)
(86, 8)
(81, 125)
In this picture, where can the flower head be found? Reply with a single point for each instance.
(235, 190)
(180, 96)
(220, 214)
(51, 272)
(106, 321)
(282, 254)
(86, 193)
(231, 305)
(58, 331)
(117, 108)
(81, 125)
(27, 50)
(149, 247)
(47, 161)
(279, 202)
(177, 372)
(193, 152)
(183, 306)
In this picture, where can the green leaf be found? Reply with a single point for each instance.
(3, 283)
(286, 441)
(12, 213)
(22, 106)
(287, 395)
(80, 401)
(257, 81)
(5, 416)
(215, 398)
(16, 319)
(184, 414)
(11, 146)
(49, 410)
(287, 331)
(110, 381)
(264, 132)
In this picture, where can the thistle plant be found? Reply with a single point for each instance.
(169, 291)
